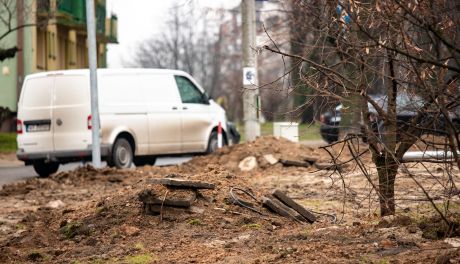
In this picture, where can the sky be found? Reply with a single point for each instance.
(140, 19)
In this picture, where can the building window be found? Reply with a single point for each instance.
(41, 49)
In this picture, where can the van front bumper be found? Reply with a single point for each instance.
(62, 156)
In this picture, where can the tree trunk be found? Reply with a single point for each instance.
(387, 169)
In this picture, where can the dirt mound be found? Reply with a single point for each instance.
(103, 219)
(89, 173)
(24, 187)
(436, 228)
(230, 156)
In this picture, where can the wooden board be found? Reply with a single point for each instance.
(292, 204)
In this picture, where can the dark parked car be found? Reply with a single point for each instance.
(407, 108)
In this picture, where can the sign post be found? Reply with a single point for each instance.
(250, 85)
(92, 59)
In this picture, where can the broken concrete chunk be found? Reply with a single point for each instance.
(297, 207)
(328, 166)
(181, 183)
(177, 198)
(280, 208)
(271, 159)
(248, 163)
(453, 241)
(55, 204)
(295, 163)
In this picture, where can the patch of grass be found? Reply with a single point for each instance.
(306, 131)
(20, 226)
(36, 255)
(255, 226)
(72, 229)
(139, 259)
(8, 142)
(194, 222)
(139, 246)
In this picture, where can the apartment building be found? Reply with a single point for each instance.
(57, 40)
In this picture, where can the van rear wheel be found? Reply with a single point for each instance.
(122, 154)
(45, 169)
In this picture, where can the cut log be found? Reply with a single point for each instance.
(297, 207)
(181, 183)
(281, 209)
(295, 163)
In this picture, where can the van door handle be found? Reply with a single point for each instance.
(184, 108)
(174, 108)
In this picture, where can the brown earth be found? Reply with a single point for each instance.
(100, 219)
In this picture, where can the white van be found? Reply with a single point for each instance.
(143, 113)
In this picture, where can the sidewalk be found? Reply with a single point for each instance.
(9, 160)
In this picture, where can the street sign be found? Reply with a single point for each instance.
(249, 76)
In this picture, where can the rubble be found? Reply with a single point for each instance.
(55, 204)
(248, 163)
(271, 159)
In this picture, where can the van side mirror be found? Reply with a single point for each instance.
(205, 98)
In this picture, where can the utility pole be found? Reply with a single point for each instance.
(92, 59)
(251, 102)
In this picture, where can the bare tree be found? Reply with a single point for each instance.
(185, 44)
(14, 16)
(397, 47)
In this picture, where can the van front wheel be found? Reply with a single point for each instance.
(45, 169)
(212, 143)
(122, 154)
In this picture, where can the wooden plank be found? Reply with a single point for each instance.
(182, 183)
(297, 207)
(280, 208)
(295, 163)
(328, 166)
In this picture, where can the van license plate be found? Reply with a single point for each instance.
(38, 128)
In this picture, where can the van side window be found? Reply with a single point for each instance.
(189, 93)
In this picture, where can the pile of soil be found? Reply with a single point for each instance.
(103, 221)
(230, 156)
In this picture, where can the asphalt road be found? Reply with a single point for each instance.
(16, 173)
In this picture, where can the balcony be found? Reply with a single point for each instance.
(72, 13)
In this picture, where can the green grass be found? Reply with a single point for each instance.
(306, 131)
(7, 142)
(140, 259)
